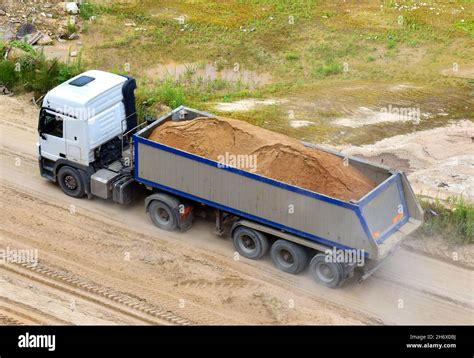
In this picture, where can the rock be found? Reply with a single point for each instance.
(130, 24)
(4, 91)
(71, 8)
(73, 36)
(2, 13)
(45, 40)
(25, 29)
(8, 35)
(33, 38)
(15, 53)
(73, 54)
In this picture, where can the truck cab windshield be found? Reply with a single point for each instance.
(50, 123)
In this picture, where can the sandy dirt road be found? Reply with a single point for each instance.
(102, 263)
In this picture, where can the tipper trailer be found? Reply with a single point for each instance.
(90, 145)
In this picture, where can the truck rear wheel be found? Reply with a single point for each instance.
(329, 273)
(289, 257)
(71, 182)
(162, 215)
(250, 243)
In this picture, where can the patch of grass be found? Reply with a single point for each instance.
(8, 75)
(3, 48)
(287, 39)
(466, 25)
(453, 221)
(89, 9)
(34, 72)
(327, 14)
(292, 56)
(71, 27)
(22, 45)
(392, 40)
(327, 69)
(171, 94)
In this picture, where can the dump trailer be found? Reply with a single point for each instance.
(299, 228)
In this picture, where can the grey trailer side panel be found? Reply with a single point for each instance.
(300, 214)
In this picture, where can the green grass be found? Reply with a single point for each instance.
(292, 56)
(71, 27)
(214, 31)
(466, 25)
(34, 72)
(8, 75)
(453, 221)
(327, 69)
(89, 9)
(188, 90)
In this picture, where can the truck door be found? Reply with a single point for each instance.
(51, 135)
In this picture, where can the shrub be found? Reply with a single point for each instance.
(8, 75)
(453, 221)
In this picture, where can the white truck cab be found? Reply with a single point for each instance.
(82, 122)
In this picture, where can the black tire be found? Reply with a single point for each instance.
(71, 182)
(330, 274)
(250, 243)
(289, 257)
(162, 215)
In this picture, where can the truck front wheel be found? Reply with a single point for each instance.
(162, 215)
(250, 243)
(289, 257)
(330, 274)
(71, 182)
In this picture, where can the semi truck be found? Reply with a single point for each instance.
(91, 144)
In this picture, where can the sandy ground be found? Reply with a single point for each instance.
(117, 268)
(439, 162)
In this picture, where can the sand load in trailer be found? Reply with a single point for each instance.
(267, 153)
(374, 223)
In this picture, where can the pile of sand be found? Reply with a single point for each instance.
(276, 155)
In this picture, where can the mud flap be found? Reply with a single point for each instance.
(184, 216)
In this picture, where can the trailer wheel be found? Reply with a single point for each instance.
(329, 274)
(71, 182)
(162, 215)
(250, 243)
(289, 257)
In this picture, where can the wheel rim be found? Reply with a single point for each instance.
(325, 272)
(162, 216)
(247, 243)
(285, 258)
(70, 182)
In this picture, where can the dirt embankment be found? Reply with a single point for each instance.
(439, 161)
(275, 155)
